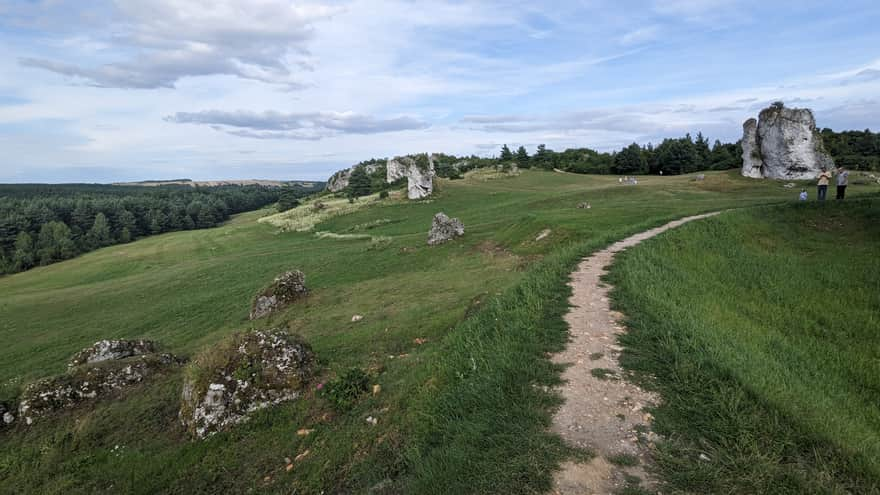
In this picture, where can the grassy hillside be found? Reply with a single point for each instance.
(762, 328)
(458, 410)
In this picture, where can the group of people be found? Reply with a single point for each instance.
(822, 184)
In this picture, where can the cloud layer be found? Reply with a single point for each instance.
(262, 41)
(305, 126)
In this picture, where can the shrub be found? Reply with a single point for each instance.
(344, 390)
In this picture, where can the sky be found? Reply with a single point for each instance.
(103, 90)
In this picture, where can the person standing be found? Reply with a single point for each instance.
(824, 177)
(842, 181)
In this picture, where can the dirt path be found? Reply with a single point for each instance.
(602, 412)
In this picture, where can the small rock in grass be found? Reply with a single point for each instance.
(289, 467)
(704, 457)
(376, 389)
(372, 421)
(356, 318)
(302, 456)
(304, 432)
(543, 235)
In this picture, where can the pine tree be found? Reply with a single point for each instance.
(522, 157)
(506, 155)
(359, 183)
(55, 243)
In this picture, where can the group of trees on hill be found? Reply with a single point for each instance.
(42, 224)
(672, 157)
(856, 150)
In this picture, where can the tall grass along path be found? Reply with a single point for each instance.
(603, 412)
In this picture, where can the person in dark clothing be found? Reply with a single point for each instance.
(842, 181)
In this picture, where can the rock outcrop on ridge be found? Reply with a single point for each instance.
(418, 171)
(248, 372)
(783, 144)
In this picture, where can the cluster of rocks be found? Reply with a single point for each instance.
(444, 229)
(104, 368)
(285, 289)
(250, 372)
(783, 143)
(418, 171)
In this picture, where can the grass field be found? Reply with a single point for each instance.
(761, 329)
(462, 412)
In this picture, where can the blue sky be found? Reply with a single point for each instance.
(104, 90)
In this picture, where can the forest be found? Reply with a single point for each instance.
(44, 223)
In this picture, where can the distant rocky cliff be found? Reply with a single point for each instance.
(783, 144)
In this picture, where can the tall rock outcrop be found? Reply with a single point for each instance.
(339, 180)
(784, 144)
(752, 163)
(419, 173)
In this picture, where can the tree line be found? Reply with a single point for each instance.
(42, 224)
(671, 157)
(857, 150)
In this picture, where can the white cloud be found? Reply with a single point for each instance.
(164, 41)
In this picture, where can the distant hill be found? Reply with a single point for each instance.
(214, 183)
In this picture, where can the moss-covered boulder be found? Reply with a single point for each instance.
(106, 350)
(89, 382)
(245, 373)
(285, 289)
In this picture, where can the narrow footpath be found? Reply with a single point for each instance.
(602, 411)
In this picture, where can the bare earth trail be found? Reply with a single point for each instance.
(602, 412)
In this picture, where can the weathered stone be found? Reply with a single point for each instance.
(251, 371)
(105, 350)
(89, 382)
(6, 414)
(285, 289)
(788, 143)
(418, 171)
(339, 180)
(444, 229)
(752, 163)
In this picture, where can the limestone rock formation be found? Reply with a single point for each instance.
(444, 229)
(752, 163)
(285, 289)
(249, 372)
(105, 350)
(396, 168)
(418, 171)
(339, 180)
(784, 144)
(90, 381)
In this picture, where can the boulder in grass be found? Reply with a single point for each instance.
(248, 372)
(90, 382)
(105, 350)
(285, 289)
(444, 229)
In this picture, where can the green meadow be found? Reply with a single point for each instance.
(761, 329)
(458, 337)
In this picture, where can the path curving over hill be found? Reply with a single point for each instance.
(602, 411)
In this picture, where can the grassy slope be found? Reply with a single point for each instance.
(440, 425)
(762, 328)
